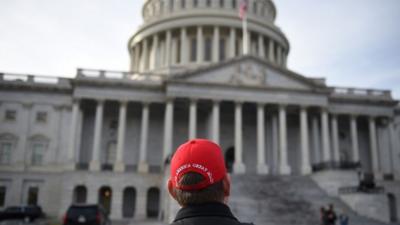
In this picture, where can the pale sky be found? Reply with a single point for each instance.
(352, 43)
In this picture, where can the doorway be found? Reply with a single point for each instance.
(129, 202)
(105, 196)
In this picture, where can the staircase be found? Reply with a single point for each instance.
(284, 200)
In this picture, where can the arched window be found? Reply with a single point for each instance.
(105, 197)
(80, 194)
(255, 7)
(7, 145)
(221, 3)
(208, 3)
(195, 3)
(234, 4)
(129, 202)
(39, 145)
(171, 5)
(183, 4)
(153, 202)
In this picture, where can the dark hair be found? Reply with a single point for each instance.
(212, 193)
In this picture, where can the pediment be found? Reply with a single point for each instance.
(247, 72)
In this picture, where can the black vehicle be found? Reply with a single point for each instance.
(86, 215)
(28, 213)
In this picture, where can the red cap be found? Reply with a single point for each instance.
(200, 156)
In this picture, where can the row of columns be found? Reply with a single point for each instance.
(239, 166)
(164, 52)
(160, 7)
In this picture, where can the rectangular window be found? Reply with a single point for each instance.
(193, 50)
(11, 115)
(207, 49)
(2, 196)
(33, 195)
(221, 3)
(208, 3)
(195, 3)
(5, 153)
(41, 117)
(183, 4)
(37, 153)
(234, 4)
(171, 5)
(222, 48)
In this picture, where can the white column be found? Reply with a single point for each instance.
(393, 150)
(72, 137)
(261, 48)
(373, 146)
(215, 122)
(325, 137)
(184, 47)
(232, 43)
(143, 166)
(335, 139)
(98, 126)
(215, 46)
(316, 140)
(305, 147)
(238, 166)
(168, 127)
(284, 167)
(145, 56)
(354, 139)
(275, 143)
(271, 52)
(137, 58)
(155, 60)
(279, 55)
(192, 119)
(262, 167)
(168, 43)
(174, 51)
(284, 56)
(200, 45)
(119, 164)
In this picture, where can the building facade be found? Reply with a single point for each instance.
(106, 136)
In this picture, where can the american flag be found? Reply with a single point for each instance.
(243, 8)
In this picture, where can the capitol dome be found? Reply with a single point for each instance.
(184, 34)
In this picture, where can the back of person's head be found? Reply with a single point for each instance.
(198, 174)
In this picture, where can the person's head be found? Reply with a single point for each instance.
(322, 209)
(198, 174)
(330, 206)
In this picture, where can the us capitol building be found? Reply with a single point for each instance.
(106, 136)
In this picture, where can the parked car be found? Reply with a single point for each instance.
(27, 213)
(86, 215)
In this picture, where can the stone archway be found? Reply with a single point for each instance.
(105, 197)
(80, 194)
(229, 158)
(392, 208)
(153, 202)
(129, 202)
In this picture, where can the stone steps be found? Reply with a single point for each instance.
(284, 200)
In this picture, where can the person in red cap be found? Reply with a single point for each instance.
(200, 184)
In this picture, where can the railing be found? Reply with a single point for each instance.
(340, 91)
(39, 79)
(110, 74)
